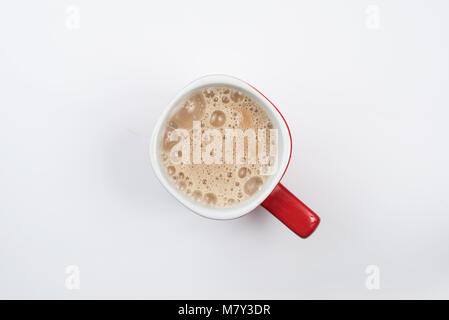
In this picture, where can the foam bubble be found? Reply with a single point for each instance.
(253, 185)
(210, 198)
(218, 118)
(236, 96)
(197, 195)
(242, 172)
(171, 170)
(209, 93)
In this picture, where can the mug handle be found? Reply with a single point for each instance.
(291, 211)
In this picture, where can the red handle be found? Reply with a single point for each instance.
(291, 211)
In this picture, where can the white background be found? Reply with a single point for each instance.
(363, 85)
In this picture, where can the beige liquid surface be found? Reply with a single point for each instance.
(217, 185)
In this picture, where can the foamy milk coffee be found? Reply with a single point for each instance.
(219, 146)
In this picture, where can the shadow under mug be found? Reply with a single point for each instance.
(273, 196)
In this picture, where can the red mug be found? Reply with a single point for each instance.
(273, 196)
